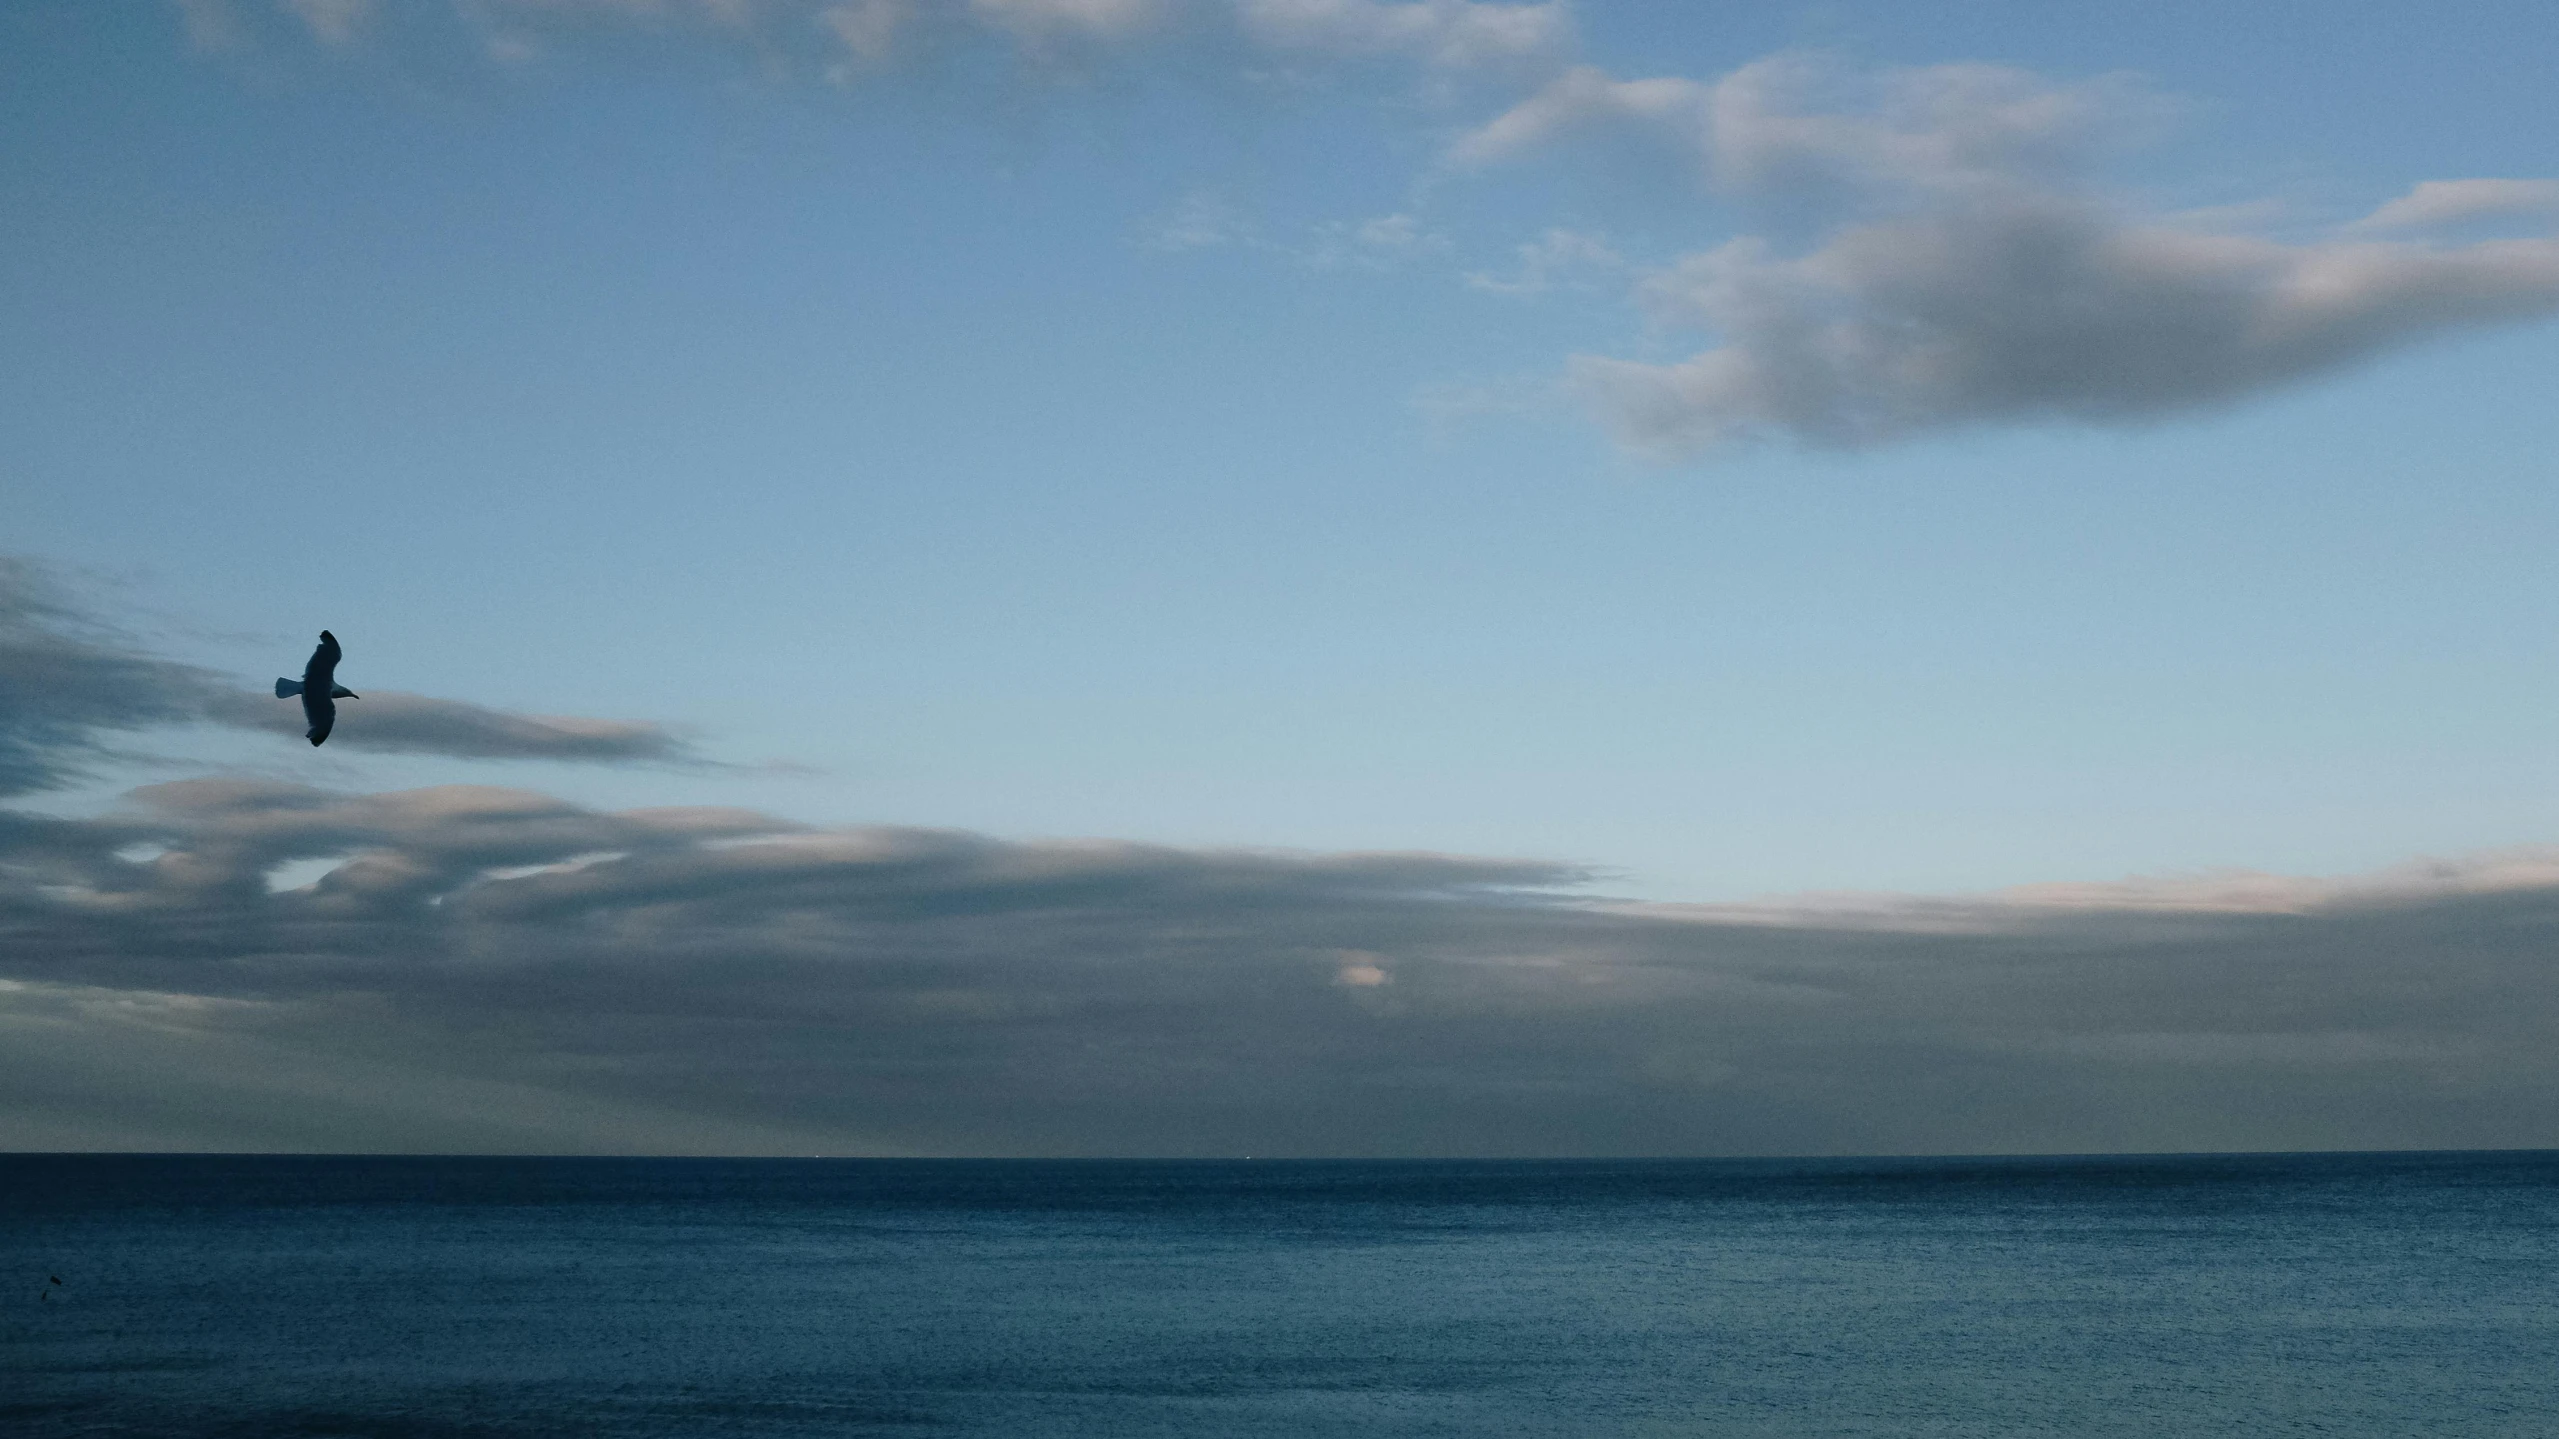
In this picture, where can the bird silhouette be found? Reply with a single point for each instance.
(319, 689)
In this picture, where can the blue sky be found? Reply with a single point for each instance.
(1022, 437)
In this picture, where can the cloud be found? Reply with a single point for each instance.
(1445, 36)
(498, 969)
(211, 26)
(1556, 257)
(394, 721)
(1912, 250)
(1043, 21)
(2451, 202)
(1584, 97)
(1202, 221)
(1379, 242)
(243, 963)
(67, 682)
(1966, 268)
(868, 28)
(332, 22)
(2021, 306)
(1796, 122)
(1449, 34)
(70, 684)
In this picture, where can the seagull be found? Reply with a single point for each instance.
(319, 689)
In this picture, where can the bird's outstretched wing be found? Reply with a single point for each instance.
(324, 660)
(319, 687)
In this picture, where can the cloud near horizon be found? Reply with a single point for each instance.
(238, 963)
(493, 969)
(69, 684)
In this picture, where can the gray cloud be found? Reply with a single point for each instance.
(497, 969)
(2022, 307)
(67, 682)
(236, 963)
(848, 37)
(398, 722)
(1965, 269)
(71, 684)
(1449, 34)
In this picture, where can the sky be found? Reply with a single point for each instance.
(1278, 576)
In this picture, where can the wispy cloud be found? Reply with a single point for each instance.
(71, 684)
(1045, 21)
(2453, 202)
(1445, 36)
(1449, 34)
(333, 22)
(1558, 257)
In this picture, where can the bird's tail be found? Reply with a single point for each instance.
(287, 689)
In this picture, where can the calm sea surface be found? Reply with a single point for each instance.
(2329, 1295)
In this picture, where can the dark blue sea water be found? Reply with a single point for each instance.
(2328, 1295)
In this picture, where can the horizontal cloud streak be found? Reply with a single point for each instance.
(1449, 34)
(69, 683)
(2453, 202)
(1446, 35)
(712, 979)
(403, 723)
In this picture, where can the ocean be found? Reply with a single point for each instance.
(2332, 1295)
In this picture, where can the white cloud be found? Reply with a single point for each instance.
(1792, 121)
(1450, 34)
(333, 22)
(1037, 21)
(2448, 202)
(1379, 241)
(1359, 969)
(211, 25)
(1202, 221)
(1967, 267)
(1585, 96)
(1554, 258)
(1391, 236)
(868, 28)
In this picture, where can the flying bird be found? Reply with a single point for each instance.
(319, 689)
